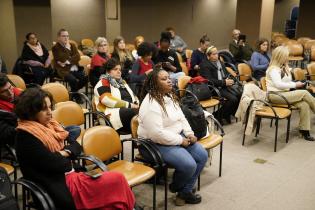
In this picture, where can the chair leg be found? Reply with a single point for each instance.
(258, 126)
(15, 185)
(276, 135)
(271, 123)
(220, 164)
(165, 188)
(198, 185)
(154, 193)
(244, 134)
(288, 129)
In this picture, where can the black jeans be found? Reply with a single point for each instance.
(229, 105)
(76, 80)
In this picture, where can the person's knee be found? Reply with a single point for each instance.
(187, 166)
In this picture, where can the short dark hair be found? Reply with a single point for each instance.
(204, 39)
(259, 42)
(3, 80)
(145, 49)
(60, 31)
(30, 102)
(166, 37)
(110, 64)
(27, 36)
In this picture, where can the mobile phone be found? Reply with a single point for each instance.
(242, 37)
(94, 174)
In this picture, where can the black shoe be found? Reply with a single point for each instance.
(306, 135)
(190, 197)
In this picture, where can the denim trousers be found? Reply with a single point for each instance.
(74, 132)
(188, 163)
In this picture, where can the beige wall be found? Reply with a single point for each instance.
(190, 18)
(8, 49)
(82, 18)
(266, 19)
(33, 16)
(248, 14)
(113, 27)
(282, 13)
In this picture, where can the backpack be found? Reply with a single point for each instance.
(194, 114)
(7, 200)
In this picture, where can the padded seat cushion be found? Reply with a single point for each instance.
(267, 112)
(211, 141)
(209, 103)
(7, 167)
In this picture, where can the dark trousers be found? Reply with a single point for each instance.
(76, 80)
(229, 105)
(126, 114)
(40, 74)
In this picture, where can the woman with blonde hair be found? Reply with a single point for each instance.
(279, 79)
(123, 55)
(138, 40)
(98, 60)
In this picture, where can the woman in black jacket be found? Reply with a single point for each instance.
(36, 56)
(214, 70)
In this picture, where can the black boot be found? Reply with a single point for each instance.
(190, 197)
(306, 135)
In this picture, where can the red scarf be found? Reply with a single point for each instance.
(8, 105)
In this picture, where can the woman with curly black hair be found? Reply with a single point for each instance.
(162, 120)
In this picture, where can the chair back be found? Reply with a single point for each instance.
(58, 91)
(311, 70)
(134, 126)
(17, 81)
(87, 42)
(69, 113)
(102, 142)
(180, 58)
(313, 53)
(303, 40)
(295, 49)
(308, 45)
(188, 53)
(245, 71)
(263, 84)
(299, 74)
(85, 61)
(184, 68)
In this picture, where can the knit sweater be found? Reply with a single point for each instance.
(274, 81)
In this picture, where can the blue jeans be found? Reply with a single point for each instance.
(188, 163)
(74, 132)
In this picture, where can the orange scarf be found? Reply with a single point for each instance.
(52, 135)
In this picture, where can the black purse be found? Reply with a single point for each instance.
(201, 90)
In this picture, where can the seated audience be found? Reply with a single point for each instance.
(8, 120)
(45, 159)
(98, 60)
(114, 97)
(143, 65)
(198, 55)
(36, 56)
(162, 120)
(137, 42)
(122, 54)
(240, 49)
(214, 70)
(177, 43)
(167, 58)
(279, 79)
(3, 67)
(66, 59)
(260, 59)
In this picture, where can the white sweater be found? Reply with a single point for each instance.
(159, 127)
(274, 81)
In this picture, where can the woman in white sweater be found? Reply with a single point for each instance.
(162, 120)
(279, 79)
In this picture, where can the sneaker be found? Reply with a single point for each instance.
(190, 197)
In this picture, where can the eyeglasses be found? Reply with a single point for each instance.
(64, 35)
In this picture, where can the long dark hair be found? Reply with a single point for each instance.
(151, 87)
